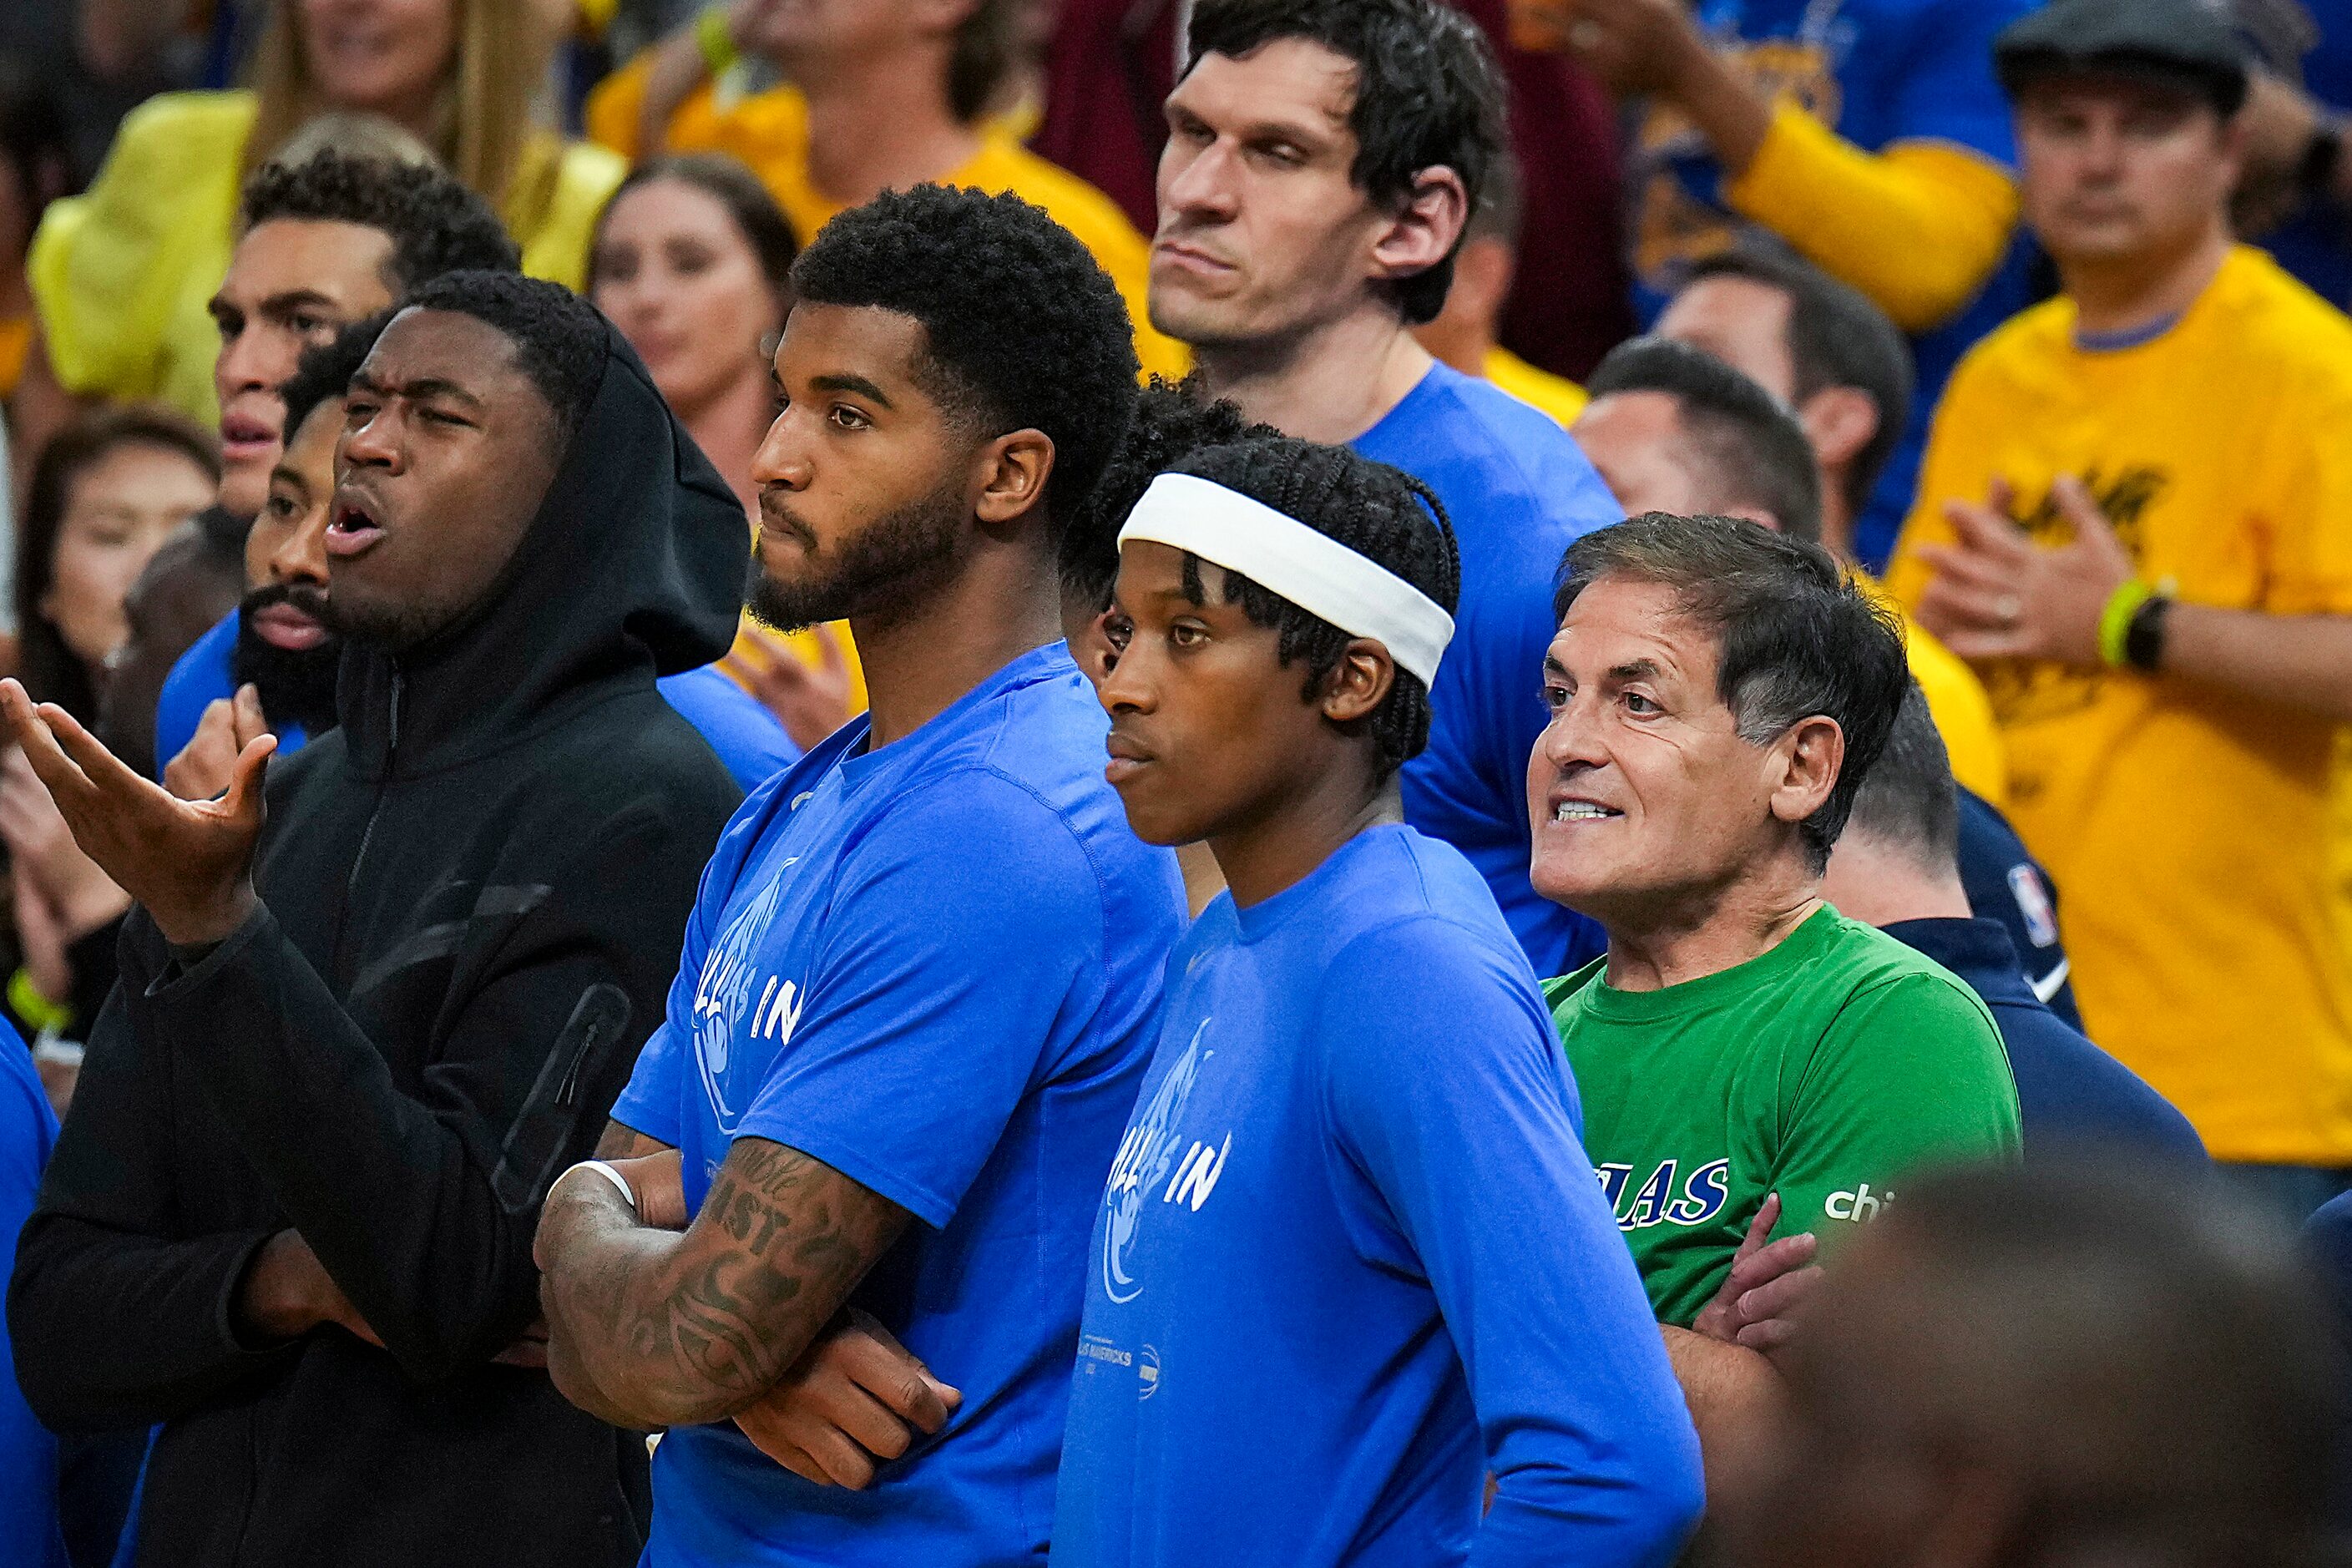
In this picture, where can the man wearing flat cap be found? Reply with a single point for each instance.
(2136, 520)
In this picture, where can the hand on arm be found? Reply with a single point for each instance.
(1768, 1280)
(856, 1398)
(286, 1292)
(650, 1328)
(1997, 594)
(189, 862)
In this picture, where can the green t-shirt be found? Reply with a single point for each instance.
(1824, 1071)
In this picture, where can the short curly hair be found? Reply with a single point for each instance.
(1383, 514)
(559, 340)
(325, 370)
(437, 226)
(1173, 420)
(1023, 328)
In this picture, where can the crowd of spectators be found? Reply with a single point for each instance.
(1725, 830)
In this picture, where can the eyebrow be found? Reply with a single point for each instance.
(416, 391)
(1635, 669)
(291, 476)
(843, 382)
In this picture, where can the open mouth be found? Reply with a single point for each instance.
(284, 626)
(1582, 811)
(353, 530)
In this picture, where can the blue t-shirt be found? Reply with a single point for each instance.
(2005, 883)
(29, 1533)
(1875, 71)
(1518, 492)
(934, 967)
(1351, 1258)
(2069, 1092)
(751, 741)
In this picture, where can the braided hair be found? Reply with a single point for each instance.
(1387, 516)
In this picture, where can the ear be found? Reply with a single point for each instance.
(1418, 236)
(1755, 514)
(1839, 421)
(1359, 683)
(1011, 473)
(1804, 767)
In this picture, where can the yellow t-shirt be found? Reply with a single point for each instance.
(1555, 394)
(2191, 833)
(121, 274)
(768, 132)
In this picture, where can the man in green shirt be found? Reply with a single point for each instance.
(1717, 692)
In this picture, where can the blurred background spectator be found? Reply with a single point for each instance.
(120, 275)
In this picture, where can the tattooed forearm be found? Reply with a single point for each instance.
(661, 1329)
(623, 1142)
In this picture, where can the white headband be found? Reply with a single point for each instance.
(1285, 557)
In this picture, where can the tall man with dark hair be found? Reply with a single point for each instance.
(1322, 160)
(1752, 1062)
(2159, 590)
(917, 990)
(1351, 1191)
(290, 1220)
(1898, 867)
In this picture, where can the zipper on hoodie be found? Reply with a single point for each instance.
(375, 809)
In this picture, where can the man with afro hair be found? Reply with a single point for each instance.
(917, 990)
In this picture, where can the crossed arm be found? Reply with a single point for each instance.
(651, 1327)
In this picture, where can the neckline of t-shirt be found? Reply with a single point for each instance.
(1430, 381)
(2127, 338)
(1797, 947)
(1267, 916)
(862, 763)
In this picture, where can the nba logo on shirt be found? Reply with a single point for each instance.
(2034, 903)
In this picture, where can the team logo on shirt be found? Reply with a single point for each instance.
(1147, 1156)
(2034, 691)
(723, 997)
(1656, 1202)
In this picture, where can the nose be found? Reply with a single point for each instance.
(1572, 740)
(1125, 685)
(249, 361)
(1196, 185)
(301, 556)
(781, 460)
(373, 443)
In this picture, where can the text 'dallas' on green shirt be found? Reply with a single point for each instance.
(1826, 1070)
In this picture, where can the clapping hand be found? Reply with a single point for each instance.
(189, 862)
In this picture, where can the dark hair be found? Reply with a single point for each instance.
(1173, 420)
(560, 340)
(726, 181)
(1836, 337)
(1796, 635)
(2142, 1356)
(1909, 799)
(325, 370)
(1384, 515)
(33, 141)
(1427, 95)
(437, 226)
(50, 670)
(987, 45)
(1754, 451)
(1023, 328)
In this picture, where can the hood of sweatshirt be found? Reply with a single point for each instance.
(633, 567)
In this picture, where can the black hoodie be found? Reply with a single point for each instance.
(474, 891)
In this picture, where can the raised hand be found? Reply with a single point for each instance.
(1768, 1280)
(189, 862)
(810, 703)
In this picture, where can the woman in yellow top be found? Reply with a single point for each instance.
(120, 276)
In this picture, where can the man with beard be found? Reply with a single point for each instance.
(291, 1221)
(918, 987)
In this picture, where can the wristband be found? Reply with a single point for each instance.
(2116, 619)
(2144, 637)
(715, 37)
(27, 1002)
(621, 1183)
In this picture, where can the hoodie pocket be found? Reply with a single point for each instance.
(549, 1128)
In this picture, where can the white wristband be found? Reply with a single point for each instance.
(621, 1183)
